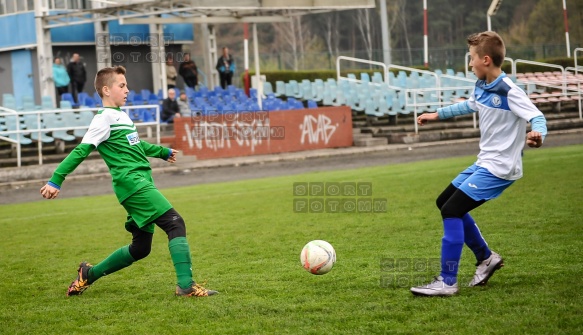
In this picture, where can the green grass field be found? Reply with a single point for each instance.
(246, 240)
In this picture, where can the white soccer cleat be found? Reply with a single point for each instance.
(437, 288)
(486, 269)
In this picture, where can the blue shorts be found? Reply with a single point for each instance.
(479, 184)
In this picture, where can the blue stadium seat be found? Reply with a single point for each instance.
(28, 103)
(52, 120)
(89, 102)
(47, 102)
(69, 97)
(66, 104)
(10, 122)
(267, 88)
(280, 88)
(83, 119)
(135, 114)
(148, 114)
(377, 77)
(8, 101)
(364, 77)
(144, 94)
(328, 97)
(81, 98)
(32, 124)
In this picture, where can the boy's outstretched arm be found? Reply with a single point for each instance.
(69, 164)
(423, 118)
(461, 108)
(172, 157)
(535, 138)
(158, 151)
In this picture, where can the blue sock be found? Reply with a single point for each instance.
(474, 239)
(451, 249)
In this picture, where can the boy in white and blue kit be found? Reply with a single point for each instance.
(504, 109)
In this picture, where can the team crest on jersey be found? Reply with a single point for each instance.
(496, 101)
(133, 138)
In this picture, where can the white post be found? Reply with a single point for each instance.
(44, 50)
(158, 59)
(102, 42)
(425, 38)
(257, 72)
(385, 33)
(566, 28)
(489, 23)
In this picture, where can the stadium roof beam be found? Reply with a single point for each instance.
(238, 11)
(209, 20)
(205, 12)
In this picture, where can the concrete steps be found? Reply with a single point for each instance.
(360, 139)
(457, 128)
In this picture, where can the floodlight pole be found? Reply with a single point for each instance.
(246, 55)
(492, 11)
(566, 28)
(425, 46)
(385, 33)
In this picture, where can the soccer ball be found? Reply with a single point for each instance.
(318, 257)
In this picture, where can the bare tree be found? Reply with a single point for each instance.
(403, 19)
(363, 20)
(300, 32)
(331, 33)
(287, 35)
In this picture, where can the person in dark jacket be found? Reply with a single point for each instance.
(189, 72)
(78, 75)
(170, 107)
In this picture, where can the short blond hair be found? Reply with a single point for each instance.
(106, 77)
(488, 43)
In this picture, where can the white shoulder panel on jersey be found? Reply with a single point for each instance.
(520, 104)
(100, 127)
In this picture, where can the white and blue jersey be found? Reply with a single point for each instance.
(504, 110)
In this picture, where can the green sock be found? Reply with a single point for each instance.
(118, 260)
(180, 254)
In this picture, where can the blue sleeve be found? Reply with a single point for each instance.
(461, 108)
(539, 123)
(54, 185)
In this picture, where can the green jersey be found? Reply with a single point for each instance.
(116, 138)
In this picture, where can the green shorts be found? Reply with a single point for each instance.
(145, 206)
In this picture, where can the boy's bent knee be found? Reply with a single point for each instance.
(172, 224)
(458, 205)
(140, 251)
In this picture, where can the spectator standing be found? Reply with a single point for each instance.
(61, 78)
(170, 108)
(77, 74)
(171, 73)
(226, 67)
(188, 71)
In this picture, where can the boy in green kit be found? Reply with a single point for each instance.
(116, 139)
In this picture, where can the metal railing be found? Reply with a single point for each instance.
(19, 132)
(577, 50)
(358, 60)
(553, 66)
